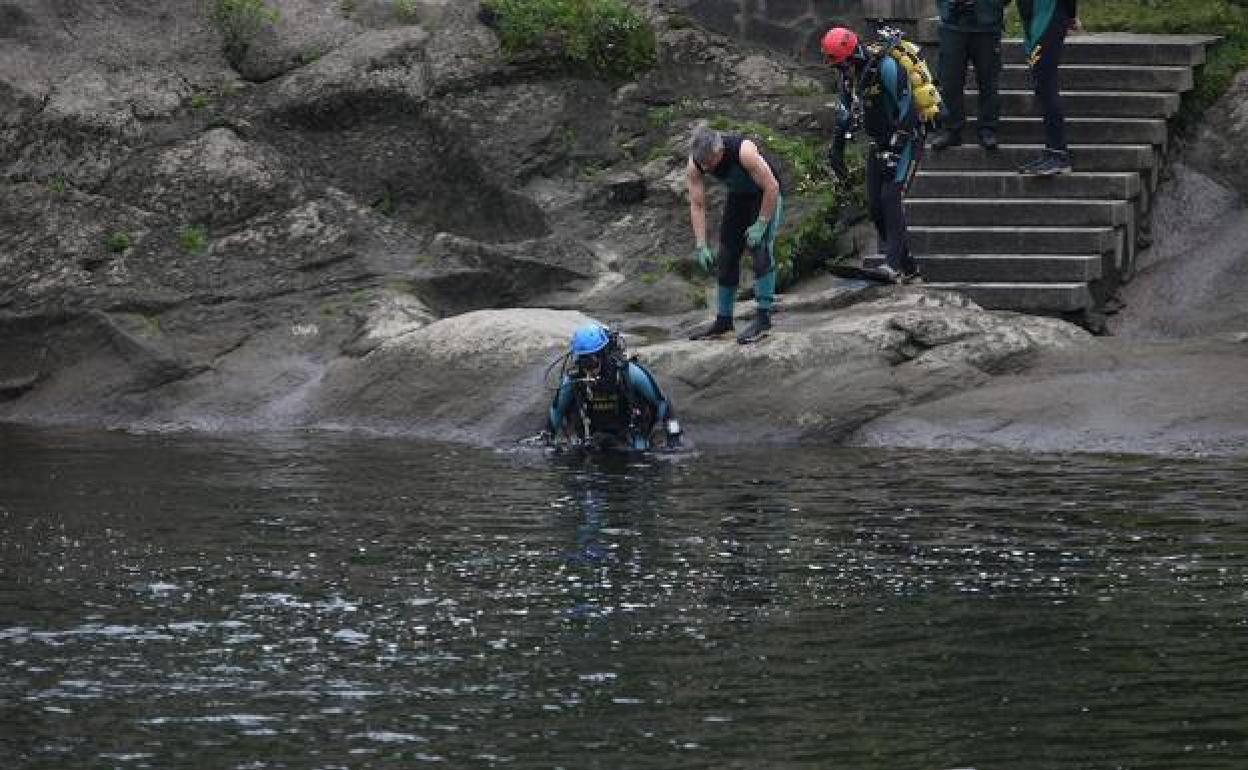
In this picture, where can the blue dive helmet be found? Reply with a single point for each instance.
(589, 339)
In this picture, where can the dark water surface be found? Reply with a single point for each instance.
(330, 602)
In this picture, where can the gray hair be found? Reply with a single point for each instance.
(704, 142)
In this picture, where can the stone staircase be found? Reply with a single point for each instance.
(1054, 245)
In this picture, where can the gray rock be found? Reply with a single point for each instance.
(1104, 398)
(216, 178)
(625, 187)
(478, 376)
(1217, 148)
(305, 31)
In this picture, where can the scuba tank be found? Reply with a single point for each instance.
(923, 89)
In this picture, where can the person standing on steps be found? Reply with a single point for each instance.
(752, 217)
(1045, 24)
(970, 32)
(875, 89)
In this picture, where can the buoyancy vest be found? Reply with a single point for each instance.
(607, 403)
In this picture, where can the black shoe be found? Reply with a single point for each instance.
(757, 329)
(946, 140)
(721, 325)
(988, 139)
(1051, 163)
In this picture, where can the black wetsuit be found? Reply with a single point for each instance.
(745, 199)
(891, 121)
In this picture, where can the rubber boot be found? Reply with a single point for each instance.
(758, 328)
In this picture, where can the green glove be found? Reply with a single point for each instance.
(754, 235)
(706, 258)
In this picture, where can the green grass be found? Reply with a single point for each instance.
(199, 101)
(1211, 17)
(607, 38)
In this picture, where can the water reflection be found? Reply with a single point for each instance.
(322, 601)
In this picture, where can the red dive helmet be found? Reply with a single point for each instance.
(839, 44)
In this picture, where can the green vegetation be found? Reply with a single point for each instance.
(199, 100)
(117, 242)
(405, 10)
(677, 20)
(239, 21)
(193, 239)
(804, 88)
(1228, 18)
(57, 186)
(662, 117)
(606, 37)
(385, 205)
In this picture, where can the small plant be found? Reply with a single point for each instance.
(239, 21)
(607, 37)
(199, 101)
(117, 242)
(661, 117)
(678, 21)
(56, 186)
(193, 239)
(405, 10)
(803, 88)
(385, 205)
(649, 278)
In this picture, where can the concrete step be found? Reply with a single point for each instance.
(1122, 185)
(1100, 77)
(1079, 130)
(1123, 48)
(1013, 240)
(993, 268)
(1024, 297)
(989, 212)
(1085, 157)
(1088, 104)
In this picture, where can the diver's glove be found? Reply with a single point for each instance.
(755, 232)
(673, 434)
(705, 258)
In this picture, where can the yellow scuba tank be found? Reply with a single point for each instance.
(926, 96)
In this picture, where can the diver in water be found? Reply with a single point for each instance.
(607, 400)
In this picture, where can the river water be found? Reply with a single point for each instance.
(328, 601)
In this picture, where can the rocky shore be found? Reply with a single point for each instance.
(384, 224)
